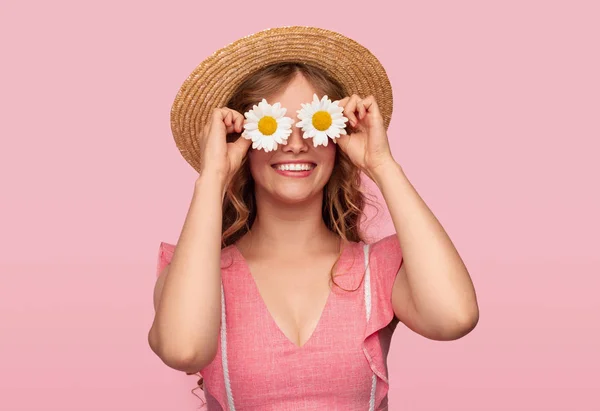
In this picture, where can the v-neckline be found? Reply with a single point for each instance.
(265, 308)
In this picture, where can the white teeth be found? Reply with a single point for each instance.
(294, 167)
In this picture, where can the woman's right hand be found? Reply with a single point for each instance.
(218, 156)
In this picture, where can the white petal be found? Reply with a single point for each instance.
(255, 135)
(324, 138)
(306, 112)
(320, 139)
(323, 102)
(285, 121)
(285, 134)
(263, 106)
(280, 113)
(332, 132)
(278, 137)
(250, 115)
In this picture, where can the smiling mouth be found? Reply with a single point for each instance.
(294, 166)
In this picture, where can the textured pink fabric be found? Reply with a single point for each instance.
(334, 369)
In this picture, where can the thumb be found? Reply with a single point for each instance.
(343, 141)
(240, 147)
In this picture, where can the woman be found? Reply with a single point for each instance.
(271, 293)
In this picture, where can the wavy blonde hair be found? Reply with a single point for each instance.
(343, 198)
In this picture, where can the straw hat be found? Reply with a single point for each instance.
(212, 83)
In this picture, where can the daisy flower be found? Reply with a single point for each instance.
(267, 126)
(322, 119)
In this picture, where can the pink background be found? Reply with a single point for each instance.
(496, 123)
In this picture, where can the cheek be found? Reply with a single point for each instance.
(327, 157)
(258, 160)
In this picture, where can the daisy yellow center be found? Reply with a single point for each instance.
(322, 120)
(267, 125)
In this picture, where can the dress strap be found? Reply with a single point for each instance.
(367, 288)
(224, 352)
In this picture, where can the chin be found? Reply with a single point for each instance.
(290, 192)
(293, 197)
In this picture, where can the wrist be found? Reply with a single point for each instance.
(211, 180)
(212, 176)
(383, 170)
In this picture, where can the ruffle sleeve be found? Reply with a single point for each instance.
(385, 259)
(165, 254)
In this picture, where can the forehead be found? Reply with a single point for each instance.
(299, 90)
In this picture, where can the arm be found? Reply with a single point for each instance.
(158, 286)
(433, 293)
(187, 294)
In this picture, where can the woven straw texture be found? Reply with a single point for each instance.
(212, 83)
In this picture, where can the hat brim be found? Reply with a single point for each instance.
(212, 83)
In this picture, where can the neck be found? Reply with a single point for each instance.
(286, 228)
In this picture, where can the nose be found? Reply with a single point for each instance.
(295, 143)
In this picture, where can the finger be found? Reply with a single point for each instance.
(343, 102)
(230, 121)
(239, 123)
(243, 143)
(218, 115)
(222, 113)
(215, 116)
(230, 129)
(228, 118)
(362, 111)
(241, 146)
(343, 141)
(217, 124)
(220, 121)
(237, 120)
(371, 106)
(350, 108)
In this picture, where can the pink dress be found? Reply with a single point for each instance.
(343, 365)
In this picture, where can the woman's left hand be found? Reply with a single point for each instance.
(367, 146)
